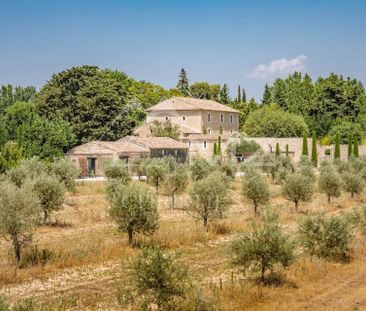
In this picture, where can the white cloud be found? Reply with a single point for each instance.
(279, 67)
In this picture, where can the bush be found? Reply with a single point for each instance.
(209, 197)
(134, 209)
(271, 121)
(159, 282)
(26, 170)
(228, 168)
(66, 172)
(255, 188)
(346, 128)
(264, 248)
(34, 257)
(328, 238)
(298, 188)
(117, 169)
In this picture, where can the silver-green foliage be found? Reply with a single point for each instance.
(298, 188)
(255, 188)
(263, 248)
(65, 171)
(330, 182)
(134, 209)
(352, 183)
(117, 169)
(176, 182)
(326, 237)
(19, 214)
(209, 197)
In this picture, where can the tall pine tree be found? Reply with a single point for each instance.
(224, 95)
(267, 97)
(244, 96)
(183, 84)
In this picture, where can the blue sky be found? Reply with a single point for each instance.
(234, 42)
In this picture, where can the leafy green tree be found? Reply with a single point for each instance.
(159, 280)
(204, 90)
(314, 152)
(10, 156)
(224, 95)
(10, 95)
(134, 209)
(352, 183)
(255, 188)
(347, 131)
(183, 84)
(271, 121)
(19, 214)
(328, 238)
(176, 182)
(96, 103)
(165, 129)
(330, 182)
(265, 247)
(337, 148)
(50, 192)
(207, 204)
(267, 96)
(26, 170)
(298, 188)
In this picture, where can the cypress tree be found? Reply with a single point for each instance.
(305, 151)
(337, 148)
(215, 149)
(224, 95)
(278, 151)
(349, 145)
(287, 154)
(219, 146)
(244, 96)
(314, 151)
(355, 149)
(239, 95)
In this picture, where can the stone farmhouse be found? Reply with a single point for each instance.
(201, 122)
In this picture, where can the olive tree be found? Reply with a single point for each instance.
(156, 170)
(117, 169)
(255, 188)
(209, 197)
(263, 248)
(298, 188)
(19, 214)
(27, 170)
(158, 280)
(352, 183)
(330, 182)
(66, 172)
(200, 168)
(176, 182)
(50, 192)
(326, 237)
(134, 209)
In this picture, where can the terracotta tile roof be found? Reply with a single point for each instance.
(144, 129)
(187, 104)
(206, 137)
(154, 142)
(107, 148)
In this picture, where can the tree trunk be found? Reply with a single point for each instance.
(45, 216)
(352, 194)
(205, 222)
(16, 246)
(130, 236)
(297, 206)
(255, 209)
(174, 200)
(263, 270)
(328, 199)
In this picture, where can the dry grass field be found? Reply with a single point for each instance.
(91, 259)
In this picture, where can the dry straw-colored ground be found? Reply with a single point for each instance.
(91, 258)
